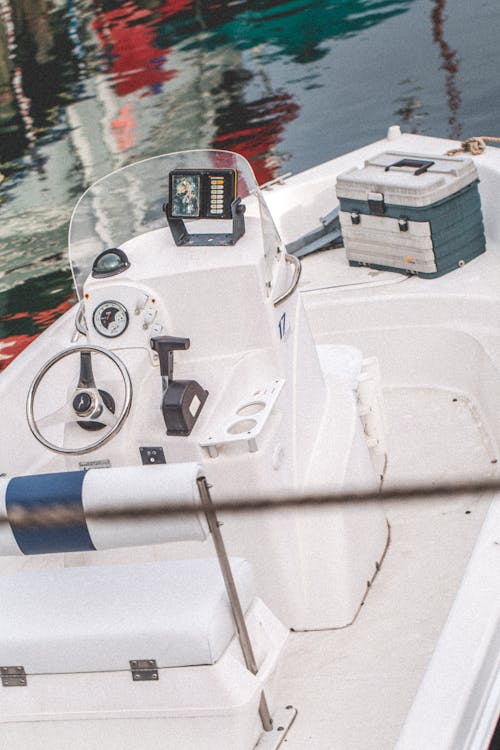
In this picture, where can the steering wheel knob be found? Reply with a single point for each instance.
(83, 403)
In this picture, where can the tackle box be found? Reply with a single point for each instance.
(412, 214)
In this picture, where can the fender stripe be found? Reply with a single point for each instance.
(33, 493)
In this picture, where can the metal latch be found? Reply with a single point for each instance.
(144, 670)
(13, 676)
(376, 203)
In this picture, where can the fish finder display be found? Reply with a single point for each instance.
(201, 194)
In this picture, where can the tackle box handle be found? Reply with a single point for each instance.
(420, 165)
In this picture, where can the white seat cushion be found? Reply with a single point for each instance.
(98, 618)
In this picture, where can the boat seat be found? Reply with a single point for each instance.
(81, 638)
(100, 617)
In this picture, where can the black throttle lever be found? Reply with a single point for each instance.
(182, 400)
(165, 346)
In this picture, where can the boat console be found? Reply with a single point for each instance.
(192, 344)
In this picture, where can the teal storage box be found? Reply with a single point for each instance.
(412, 214)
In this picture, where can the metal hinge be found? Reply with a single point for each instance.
(13, 676)
(143, 670)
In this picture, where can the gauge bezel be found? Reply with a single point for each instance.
(101, 330)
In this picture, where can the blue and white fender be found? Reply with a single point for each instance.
(88, 491)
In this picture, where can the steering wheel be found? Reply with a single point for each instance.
(89, 407)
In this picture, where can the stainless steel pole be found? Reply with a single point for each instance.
(234, 600)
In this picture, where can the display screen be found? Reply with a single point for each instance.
(201, 194)
(186, 195)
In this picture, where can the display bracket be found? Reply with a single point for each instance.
(182, 237)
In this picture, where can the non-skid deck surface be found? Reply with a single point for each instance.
(353, 687)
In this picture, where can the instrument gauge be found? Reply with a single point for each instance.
(110, 319)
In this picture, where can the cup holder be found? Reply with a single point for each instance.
(245, 421)
(252, 407)
(241, 426)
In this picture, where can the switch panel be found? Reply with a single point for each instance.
(153, 455)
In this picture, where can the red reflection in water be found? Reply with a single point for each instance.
(127, 36)
(264, 122)
(13, 345)
(172, 7)
(123, 127)
(46, 317)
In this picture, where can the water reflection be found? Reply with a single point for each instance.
(450, 63)
(410, 110)
(35, 73)
(128, 45)
(27, 309)
(52, 57)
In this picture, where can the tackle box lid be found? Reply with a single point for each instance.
(407, 179)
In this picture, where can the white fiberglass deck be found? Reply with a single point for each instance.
(353, 687)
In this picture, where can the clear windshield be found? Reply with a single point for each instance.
(129, 202)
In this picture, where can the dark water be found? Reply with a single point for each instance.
(89, 85)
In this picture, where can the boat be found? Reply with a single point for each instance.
(250, 480)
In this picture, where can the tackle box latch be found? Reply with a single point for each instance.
(376, 203)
